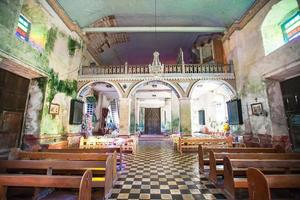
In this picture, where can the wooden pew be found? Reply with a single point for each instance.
(230, 166)
(110, 149)
(83, 183)
(17, 154)
(191, 144)
(104, 168)
(129, 145)
(203, 150)
(259, 185)
(216, 160)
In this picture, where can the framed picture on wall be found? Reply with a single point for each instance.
(54, 109)
(257, 108)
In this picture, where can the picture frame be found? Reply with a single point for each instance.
(257, 108)
(54, 109)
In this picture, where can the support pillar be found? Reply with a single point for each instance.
(185, 116)
(124, 106)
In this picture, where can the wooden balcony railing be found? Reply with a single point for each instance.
(168, 69)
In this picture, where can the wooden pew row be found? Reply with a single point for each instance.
(190, 144)
(83, 183)
(117, 149)
(17, 154)
(102, 168)
(231, 182)
(204, 150)
(216, 160)
(259, 185)
(129, 145)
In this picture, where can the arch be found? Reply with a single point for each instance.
(271, 30)
(92, 82)
(167, 83)
(229, 86)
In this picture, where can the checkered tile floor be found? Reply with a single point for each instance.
(156, 171)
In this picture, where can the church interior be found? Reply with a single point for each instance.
(149, 99)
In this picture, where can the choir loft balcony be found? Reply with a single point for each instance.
(207, 71)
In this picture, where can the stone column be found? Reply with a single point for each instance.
(185, 116)
(280, 133)
(137, 112)
(124, 106)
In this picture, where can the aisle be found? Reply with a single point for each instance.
(158, 172)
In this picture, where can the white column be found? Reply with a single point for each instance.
(124, 106)
(98, 112)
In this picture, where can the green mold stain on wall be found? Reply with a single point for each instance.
(252, 87)
(15, 47)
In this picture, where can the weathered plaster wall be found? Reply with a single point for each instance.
(43, 18)
(245, 48)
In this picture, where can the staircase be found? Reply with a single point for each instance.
(114, 111)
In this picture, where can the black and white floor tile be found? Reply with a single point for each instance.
(156, 171)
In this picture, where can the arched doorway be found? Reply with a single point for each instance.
(154, 108)
(101, 108)
(208, 105)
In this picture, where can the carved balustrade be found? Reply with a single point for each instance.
(168, 68)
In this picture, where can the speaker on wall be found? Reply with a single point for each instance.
(76, 112)
(234, 108)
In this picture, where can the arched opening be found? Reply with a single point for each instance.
(154, 108)
(101, 108)
(273, 29)
(208, 105)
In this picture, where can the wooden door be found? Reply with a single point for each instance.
(152, 121)
(10, 129)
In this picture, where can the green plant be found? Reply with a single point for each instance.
(69, 87)
(51, 38)
(72, 46)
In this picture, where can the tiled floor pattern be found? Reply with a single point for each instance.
(156, 171)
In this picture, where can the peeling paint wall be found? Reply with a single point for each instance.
(254, 85)
(43, 18)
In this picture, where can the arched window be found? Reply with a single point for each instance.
(279, 25)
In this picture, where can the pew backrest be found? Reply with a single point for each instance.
(203, 150)
(192, 143)
(259, 185)
(83, 183)
(16, 154)
(230, 165)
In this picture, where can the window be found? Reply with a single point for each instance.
(90, 108)
(23, 28)
(201, 117)
(291, 27)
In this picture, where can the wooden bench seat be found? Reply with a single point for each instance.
(230, 165)
(204, 150)
(191, 144)
(111, 149)
(17, 154)
(83, 183)
(259, 184)
(216, 161)
(102, 169)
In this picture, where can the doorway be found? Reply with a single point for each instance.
(291, 99)
(13, 96)
(152, 121)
